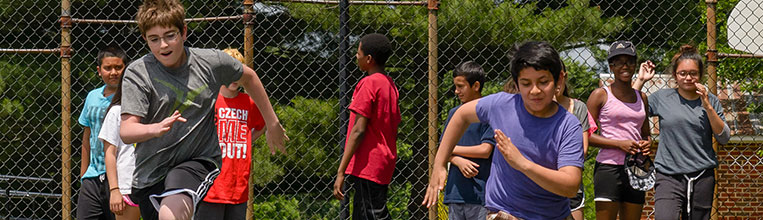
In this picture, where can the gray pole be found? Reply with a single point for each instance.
(344, 59)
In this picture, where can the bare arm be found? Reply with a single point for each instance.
(645, 73)
(467, 167)
(720, 129)
(133, 131)
(715, 121)
(646, 133)
(110, 158)
(564, 182)
(256, 134)
(585, 144)
(477, 151)
(85, 162)
(462, 118)
(275, 134)
(353, 140)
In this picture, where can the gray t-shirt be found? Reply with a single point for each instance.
(153, 92)
(581, 113)
(686, 143)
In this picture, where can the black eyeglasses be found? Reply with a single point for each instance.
(684, 74)
(618, 64)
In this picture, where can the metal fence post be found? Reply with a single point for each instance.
(248, 35)
(248, 20)
(65, 110)
(712, 64)
(344, 98)
(433, 86)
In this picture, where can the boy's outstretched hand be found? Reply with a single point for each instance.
(165, 125)
(276, 138)
(510, 152)
(436, 184)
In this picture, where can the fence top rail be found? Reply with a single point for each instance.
(732, 55)
(25, 194)
(45, 51)
(10, 177)
(352, 2)
(746, 139)
(112, 21)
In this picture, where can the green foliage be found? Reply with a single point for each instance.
(29, 116)
(266, 170)
(401, 21)
(589, 211)
(321, 206)
(313, 129)
(10, 108)
(399, 194)
(480, 23)
(411, 130)
(582, 80)
(276, 207)
(755, 107)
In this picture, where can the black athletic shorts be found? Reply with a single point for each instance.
(611, 184)
(194, 178)
(370, 199)
(578, 202)
(93, 200)
(221, 211)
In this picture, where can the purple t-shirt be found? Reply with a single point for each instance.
(552, 142)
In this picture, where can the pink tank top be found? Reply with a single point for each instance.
(619, 121)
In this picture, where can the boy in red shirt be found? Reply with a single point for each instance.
(370, 151)
(236, 117)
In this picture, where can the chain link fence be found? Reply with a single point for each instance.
(303, 51)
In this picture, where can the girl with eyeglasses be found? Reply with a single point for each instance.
(689, 118)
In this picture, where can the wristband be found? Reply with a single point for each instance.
(112, 189)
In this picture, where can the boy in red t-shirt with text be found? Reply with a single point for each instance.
(236, 117)
(370, 151)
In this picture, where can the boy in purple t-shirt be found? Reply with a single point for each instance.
(539, 161)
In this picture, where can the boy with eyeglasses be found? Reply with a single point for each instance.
(167, 109)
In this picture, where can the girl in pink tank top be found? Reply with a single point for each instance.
(621, 113)
(620, 121)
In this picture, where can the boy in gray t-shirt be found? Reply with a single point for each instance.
(177, 162)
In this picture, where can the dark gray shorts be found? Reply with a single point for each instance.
(671, 195)
(193, 178)
(463, 211)
(93, 200)
(221, 211)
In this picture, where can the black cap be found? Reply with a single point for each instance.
(621, 47)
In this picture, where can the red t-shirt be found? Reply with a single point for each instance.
(375, 97)
(234, 118)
